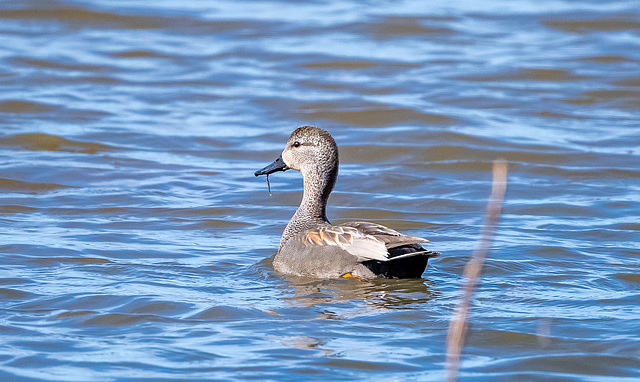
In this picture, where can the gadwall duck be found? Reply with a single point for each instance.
(312, 246)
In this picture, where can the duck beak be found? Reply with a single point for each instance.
(277, 165)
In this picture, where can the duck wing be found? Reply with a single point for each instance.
(366, 241)
(391, 238)
(355, 242)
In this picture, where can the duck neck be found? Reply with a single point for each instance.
(317, 187)
(318, 184)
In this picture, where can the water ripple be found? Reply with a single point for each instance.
(136, 243)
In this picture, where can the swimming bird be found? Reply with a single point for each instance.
(314, 247)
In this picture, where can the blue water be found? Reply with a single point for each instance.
(136, 244)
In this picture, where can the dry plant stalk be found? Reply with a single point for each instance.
(458, 323)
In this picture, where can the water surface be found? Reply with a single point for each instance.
(136, 244)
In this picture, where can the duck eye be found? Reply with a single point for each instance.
(296, 144)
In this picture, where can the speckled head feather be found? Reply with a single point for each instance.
(319, 144)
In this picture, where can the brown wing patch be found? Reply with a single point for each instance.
(346, 238)
(335, 235)
(329, 237)
(357, 243)
(313, 237)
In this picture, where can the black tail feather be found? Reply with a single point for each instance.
(408, 261)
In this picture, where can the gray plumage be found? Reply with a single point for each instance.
(312, 246)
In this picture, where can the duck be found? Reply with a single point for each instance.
(311, 246)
